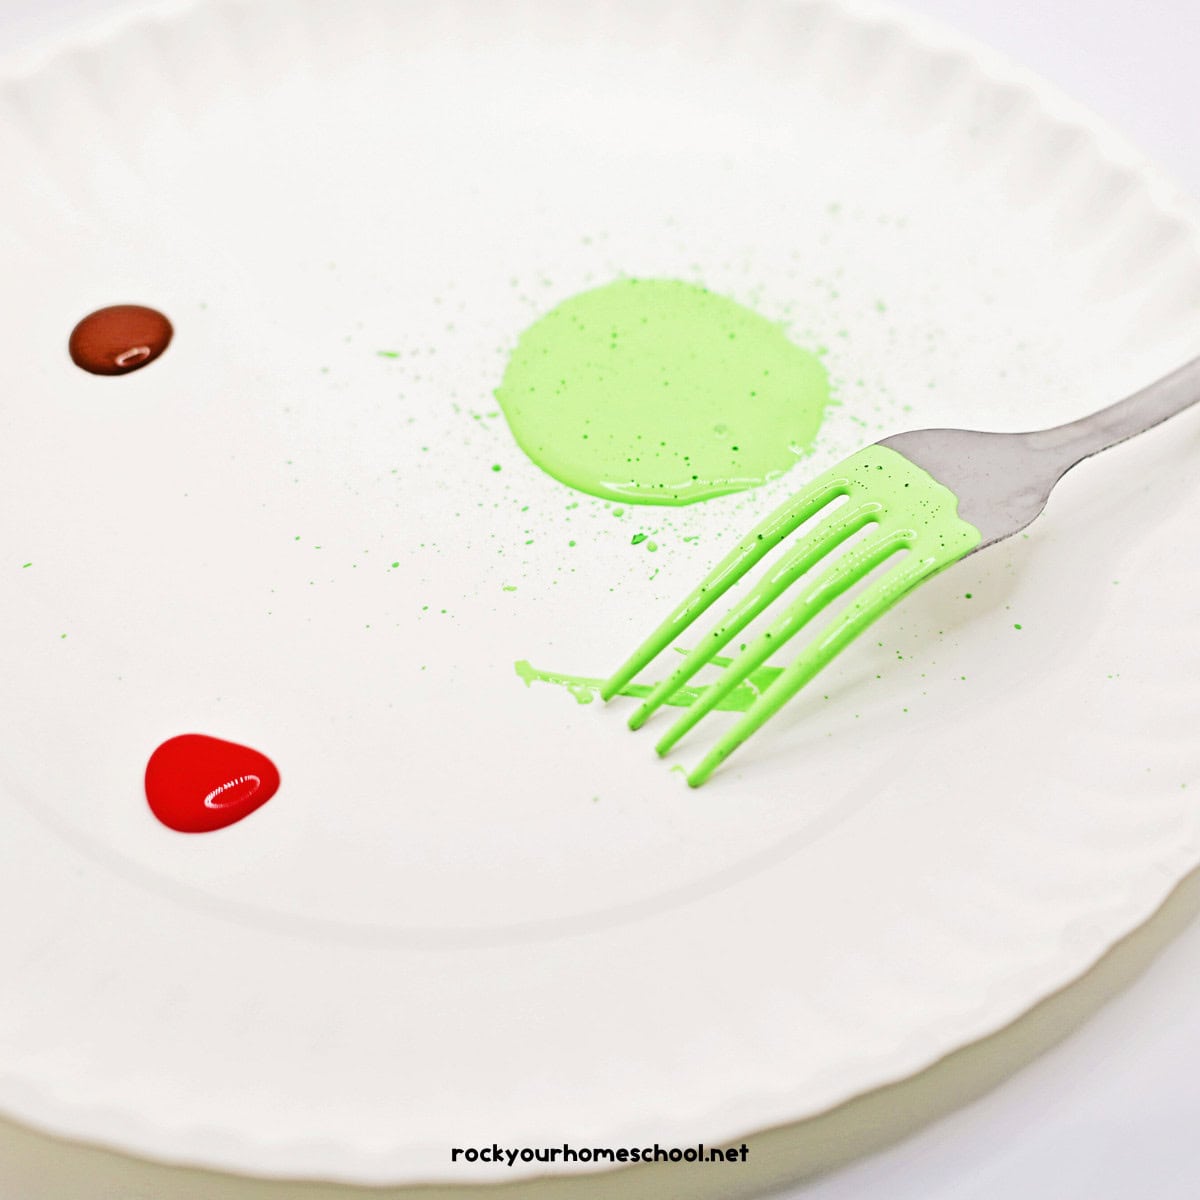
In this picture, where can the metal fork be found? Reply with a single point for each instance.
(937, 494)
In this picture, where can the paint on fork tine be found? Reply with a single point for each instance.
(910, 511)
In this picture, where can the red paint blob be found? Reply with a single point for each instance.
(119, 339)
(197, 784)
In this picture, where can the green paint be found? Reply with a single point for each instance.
(907, 510)
(637, 539)
(585, 688)
(654, 391)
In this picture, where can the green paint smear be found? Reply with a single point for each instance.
(586, 688)
(900, 507)
(654, 391)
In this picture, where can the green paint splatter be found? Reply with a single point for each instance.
(388, 353)
(586, 687)
(637, 539)
(655, 391)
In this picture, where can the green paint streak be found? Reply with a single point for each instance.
(585, 688)
(900, 507)
(388, 353)
(654, 391)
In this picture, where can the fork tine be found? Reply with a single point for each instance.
(839, 578)
(838, 634)
(826, 537)
(763, 538)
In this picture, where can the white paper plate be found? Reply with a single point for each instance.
(478, 912)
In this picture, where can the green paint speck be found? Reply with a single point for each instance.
(495, 466)
(637, 539)
(1016, 626)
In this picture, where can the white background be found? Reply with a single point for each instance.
(1113, 1111)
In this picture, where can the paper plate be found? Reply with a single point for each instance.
(479, 910)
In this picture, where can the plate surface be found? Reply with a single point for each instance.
(478, 911)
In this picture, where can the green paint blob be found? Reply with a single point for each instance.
(654, 391)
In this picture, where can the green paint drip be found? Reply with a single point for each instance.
(585, 688)
(655, 391)
(901, 508)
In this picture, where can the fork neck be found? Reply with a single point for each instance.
(1143, 410)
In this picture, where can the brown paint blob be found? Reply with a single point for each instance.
(119, 339)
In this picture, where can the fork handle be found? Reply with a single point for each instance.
(1118, 422)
